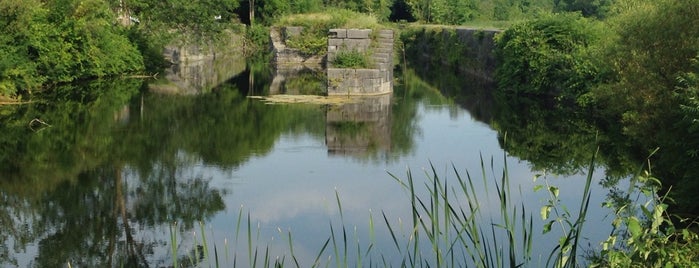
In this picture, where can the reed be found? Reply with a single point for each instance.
(451, 218)
(173, 243)
(449, 227)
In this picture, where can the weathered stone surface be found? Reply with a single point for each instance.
(357, 44)
(368, 73)
(382, 55)
(478, 60)
(383, 50)
(387, 35)
(337, 33)
(377, 80)
(385, 45)
(336, 42)
(358, 33)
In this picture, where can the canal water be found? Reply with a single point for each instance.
(122, 173)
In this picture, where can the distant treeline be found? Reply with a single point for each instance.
(46, 42)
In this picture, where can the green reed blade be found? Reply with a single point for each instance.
(320, 253)
(337, 253)
(173, 243)
(237, 225)
(390, 230)
(254, 260)
(216, 256)
(250, 240)
(205, 245)
(372, 234)
(291, 249)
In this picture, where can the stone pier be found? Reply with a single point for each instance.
(371, 81)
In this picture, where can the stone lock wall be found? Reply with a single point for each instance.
(376, 80)
(286, 57)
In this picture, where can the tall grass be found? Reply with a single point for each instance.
(450, 226)
(451, 221)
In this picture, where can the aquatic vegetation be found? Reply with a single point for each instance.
(450, 226)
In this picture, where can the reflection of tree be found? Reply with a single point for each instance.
(223, 128)
(180, 198)
(115, 165)
(552, 138)
(65, 187)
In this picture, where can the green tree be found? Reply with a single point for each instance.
(656, 43)
(550, 56)
(21, 21)
(454, 12)
(199, 18)
(60, 41)
(588, 8)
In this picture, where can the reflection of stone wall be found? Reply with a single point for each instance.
(196, 69)
(282, 83)
(360, 128)
(377, 80)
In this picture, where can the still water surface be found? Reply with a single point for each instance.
(112, 178)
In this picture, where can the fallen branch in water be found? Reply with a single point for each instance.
(143, 76)
(37, 121)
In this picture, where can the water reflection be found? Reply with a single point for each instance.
(103, 184)
(560, 138)
(360, 128)
(92, 189)
(298, 80)
(103, 181)
(194, 72)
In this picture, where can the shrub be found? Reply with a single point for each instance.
(314, 38)
(352, 59)
(549, 56)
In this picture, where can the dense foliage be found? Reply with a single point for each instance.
(653, 93)
(199, 18)
(549, 56)
(634, 75)
(60, 41)
(45, 43)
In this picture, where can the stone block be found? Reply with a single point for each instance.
(363, 74)
(340, 73)
(383, 50)
(372, 84)
(385, 44)
(337, 33)
(356, 44)
(383, 66)
(382, 55)
(386, 34)
(338, 42)
(358, 33)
